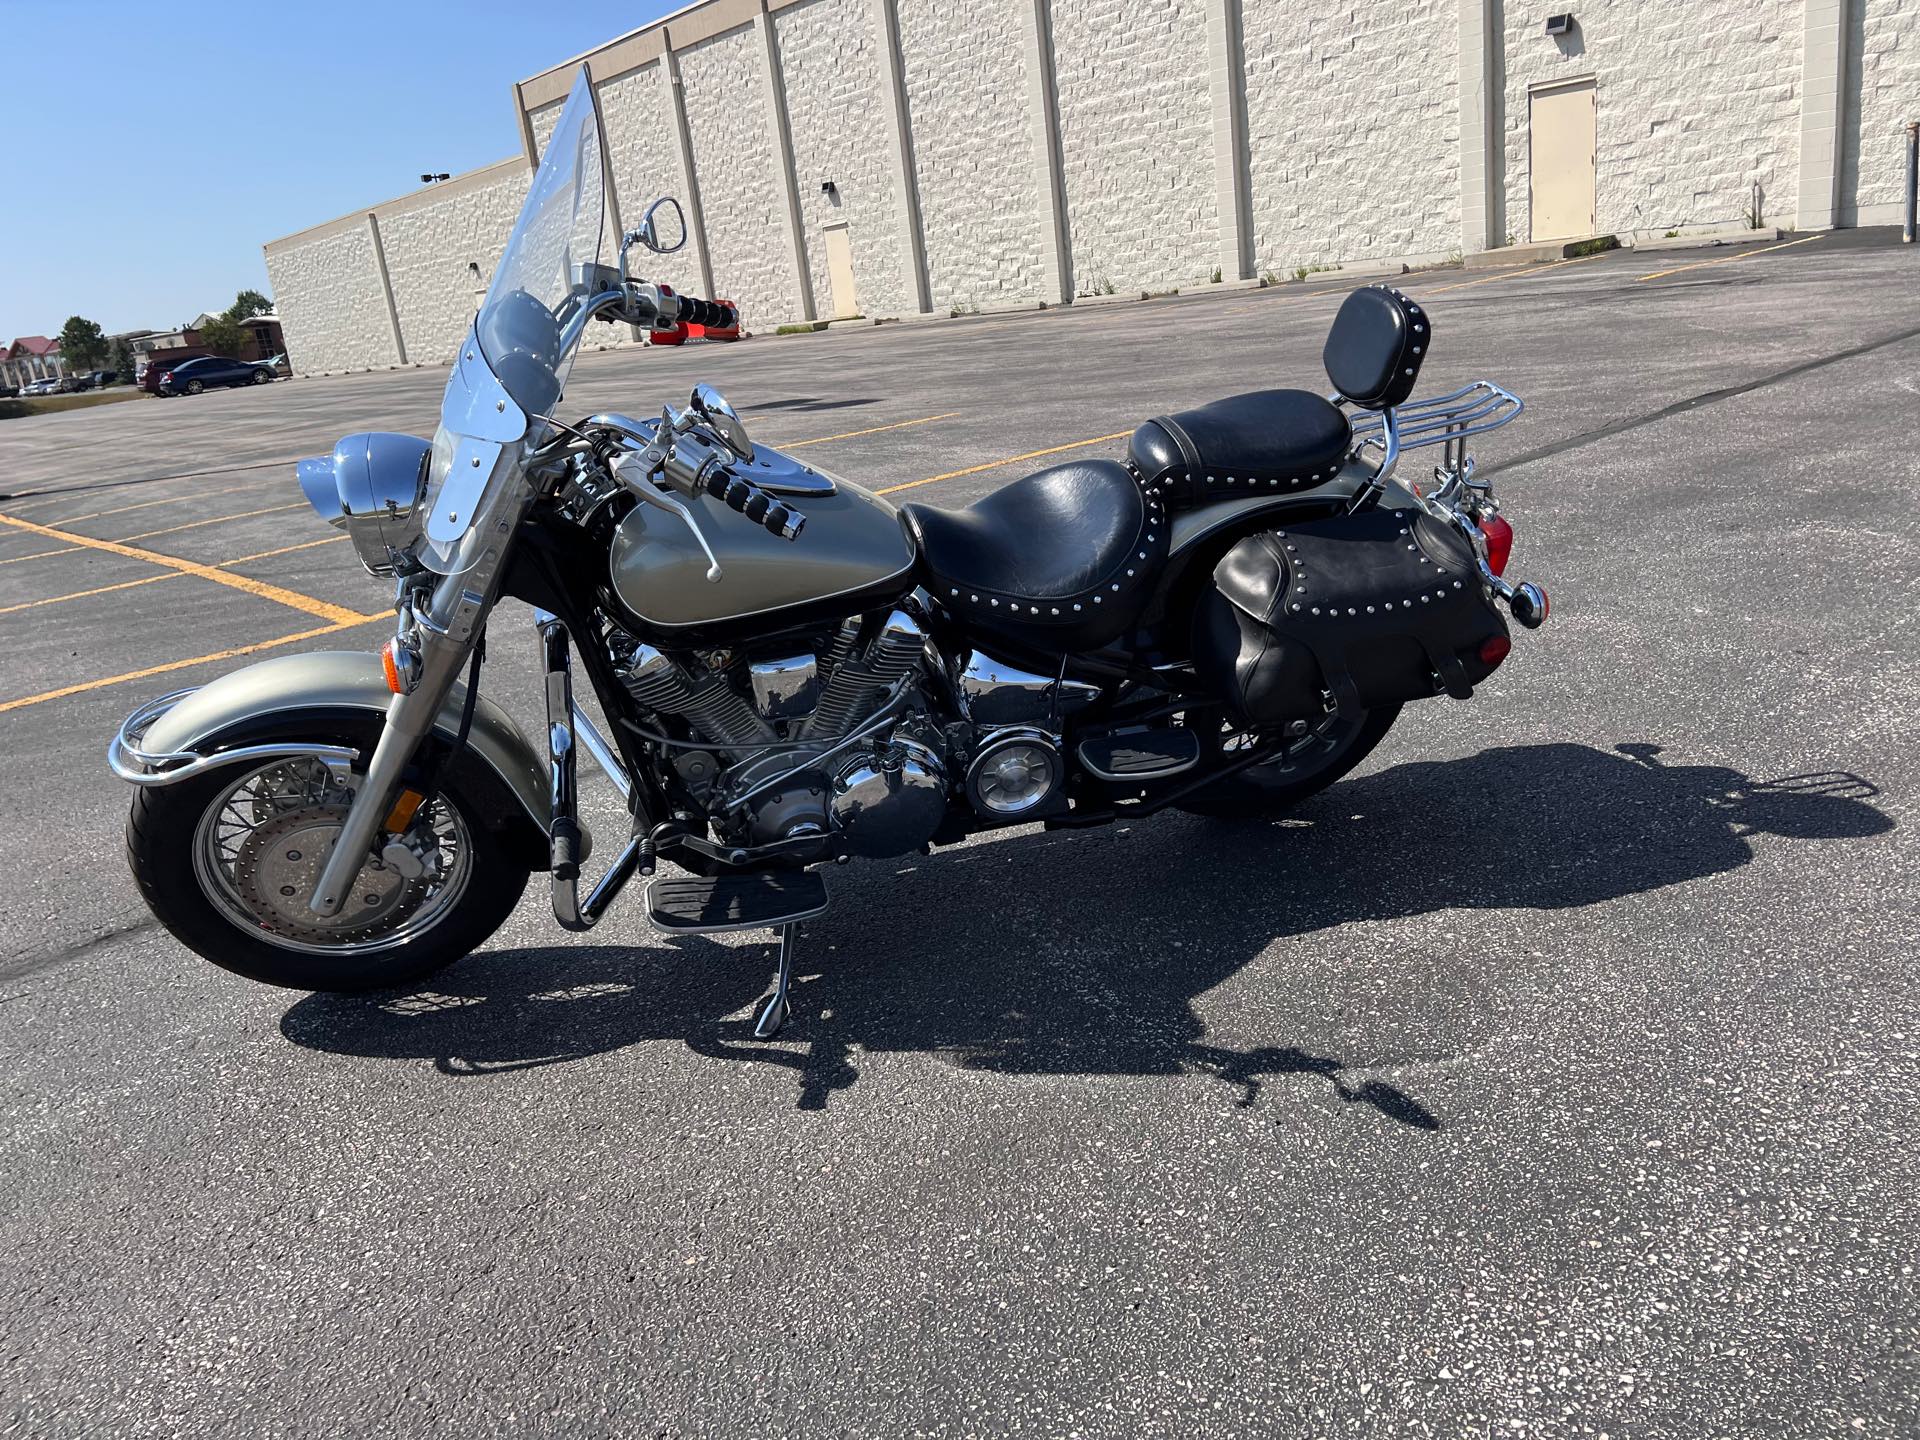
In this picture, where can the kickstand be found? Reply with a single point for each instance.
(774, 1013)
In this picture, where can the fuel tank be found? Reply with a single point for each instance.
(852, 555)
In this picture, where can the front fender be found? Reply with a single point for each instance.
(344, 680)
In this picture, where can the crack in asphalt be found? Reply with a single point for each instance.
(1702, 400)
(23, 963)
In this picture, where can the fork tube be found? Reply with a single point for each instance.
(447, 638)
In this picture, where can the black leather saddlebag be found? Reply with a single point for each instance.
(1374, 609)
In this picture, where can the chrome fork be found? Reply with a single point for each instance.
(446, 633)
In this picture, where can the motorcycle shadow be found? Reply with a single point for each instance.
(1083, 953)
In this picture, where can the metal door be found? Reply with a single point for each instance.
(846, 304)
(1560, 129)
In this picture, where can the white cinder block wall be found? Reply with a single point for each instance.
(1353, 130)
(987, 152)
(328, 293)
(1694, 104)
(976, 168)
(1136, 143)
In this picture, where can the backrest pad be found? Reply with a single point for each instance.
(1375, 347)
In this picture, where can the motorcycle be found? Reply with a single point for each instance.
(795, 673)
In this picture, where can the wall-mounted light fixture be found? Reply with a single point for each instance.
(1559, 24)
(829, 189)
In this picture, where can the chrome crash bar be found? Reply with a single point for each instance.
(138, 766)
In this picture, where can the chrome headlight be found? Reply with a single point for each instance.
(370, 487)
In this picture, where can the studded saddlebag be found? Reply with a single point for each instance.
(1372, 609)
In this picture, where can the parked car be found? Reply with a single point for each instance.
(210, 372)
(100, 379)
(48, 385)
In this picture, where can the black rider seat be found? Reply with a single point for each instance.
(1264, 443)
(1062, 560)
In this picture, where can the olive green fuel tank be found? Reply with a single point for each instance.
(852, 555)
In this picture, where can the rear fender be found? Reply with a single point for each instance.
(230, 710)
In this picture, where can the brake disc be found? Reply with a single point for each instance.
(279, 864)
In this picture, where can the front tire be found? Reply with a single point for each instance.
(1309, 767)
(261, 377)
(226, 859)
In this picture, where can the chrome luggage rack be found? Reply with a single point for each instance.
(137, 766)
(1443, 420)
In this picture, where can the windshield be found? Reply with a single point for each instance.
(510, 373)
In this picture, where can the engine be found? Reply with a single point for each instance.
(833, 740)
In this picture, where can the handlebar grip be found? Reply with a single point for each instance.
(711, 313)
(756, 504)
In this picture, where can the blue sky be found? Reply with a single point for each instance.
(151, 148)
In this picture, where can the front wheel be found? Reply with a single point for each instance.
(227, 860)
(261, 377)
(1309, 765)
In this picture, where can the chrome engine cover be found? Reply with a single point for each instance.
(890, 799)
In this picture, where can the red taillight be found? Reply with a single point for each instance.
(1499, 544)
(1494, 649)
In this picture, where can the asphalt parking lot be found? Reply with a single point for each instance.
(1555, 1075)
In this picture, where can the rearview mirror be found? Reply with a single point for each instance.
(663, 229)
(710, 405)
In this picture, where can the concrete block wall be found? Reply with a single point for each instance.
(1353, 130)
(723, 88)
(1694, 103)
(332, 305)
(832, 73)
(441, 246)
(964, 72)
(1883, 87)
(986, 152)
(1136, 143)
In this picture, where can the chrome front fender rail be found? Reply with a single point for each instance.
(136, 766)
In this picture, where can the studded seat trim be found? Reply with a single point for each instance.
(1082, 540)
(1261, 443)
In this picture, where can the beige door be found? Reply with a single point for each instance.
(840, 272)
(1560, 130)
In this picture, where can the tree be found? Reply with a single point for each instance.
(247, 304)
(224, 336)
(83, 344)
(122, 358)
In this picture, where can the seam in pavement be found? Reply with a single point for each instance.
(1701, 401)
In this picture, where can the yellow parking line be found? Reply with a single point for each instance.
(38, 555)
(1010, 460)
(218, 520)
(149, 504)
(876, 430)
(83, 594)
(1729, 259)
(337, 614)
(1507, 273)
(283, 550)
(170, 575)
(100, 684)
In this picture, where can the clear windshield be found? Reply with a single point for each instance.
(513, 376)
